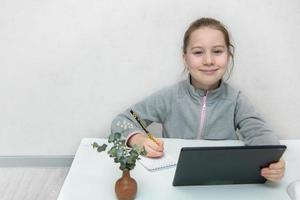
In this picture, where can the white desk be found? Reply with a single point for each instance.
(93, 175)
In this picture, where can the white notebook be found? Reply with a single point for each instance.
(153, 164)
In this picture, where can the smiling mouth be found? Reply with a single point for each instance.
(208, 71)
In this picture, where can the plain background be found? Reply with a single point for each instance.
(68, 67)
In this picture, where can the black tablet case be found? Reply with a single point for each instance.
(224, 165)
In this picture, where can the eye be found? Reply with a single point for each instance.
(198, 52)
(218, 51)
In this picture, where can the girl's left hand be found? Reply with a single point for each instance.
(274, 172)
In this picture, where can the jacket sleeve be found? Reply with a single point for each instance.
(152, 109)
(251, 126)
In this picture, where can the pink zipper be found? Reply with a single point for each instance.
(202, 116)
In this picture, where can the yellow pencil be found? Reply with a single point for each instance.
(142, 124)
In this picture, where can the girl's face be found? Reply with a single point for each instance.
(206, 57)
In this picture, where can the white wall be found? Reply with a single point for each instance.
(67, 67)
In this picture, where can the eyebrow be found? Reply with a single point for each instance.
(200, 47)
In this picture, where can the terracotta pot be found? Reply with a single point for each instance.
(126, 187)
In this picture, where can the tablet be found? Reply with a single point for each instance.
(224, 165)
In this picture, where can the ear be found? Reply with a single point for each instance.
(229, 59)
(184, 61)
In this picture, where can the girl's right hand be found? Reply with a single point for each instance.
(152, 149)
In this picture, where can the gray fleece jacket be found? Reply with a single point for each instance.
(190, 113)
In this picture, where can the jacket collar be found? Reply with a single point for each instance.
(197, 93)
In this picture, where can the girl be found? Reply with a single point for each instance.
(204, 106)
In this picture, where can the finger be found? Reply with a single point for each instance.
(273, 166)
(160, 144)
(272, 173)
(278, 165)
(274, 178)
(153, 145)
(153, 153)
(160, 141)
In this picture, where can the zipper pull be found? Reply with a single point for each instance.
(204, 106)
(204, 101)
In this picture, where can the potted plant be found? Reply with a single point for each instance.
(126, 186)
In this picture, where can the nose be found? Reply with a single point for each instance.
(208, 59)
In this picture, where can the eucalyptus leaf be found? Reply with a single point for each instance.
(135, 147)
(101, 148)
(113, 152)
(124, 161)
(131, 166)
(95, 145)
(117, 136)
(122, 167)
(144, 152)
(111, 138)
(120, 153)
(134, 154)
(130, 160)
(123, 142)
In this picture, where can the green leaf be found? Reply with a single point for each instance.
(134, 154)
(120, 153)
(113, 152)
(117, 136)
(130, 160)
(122, 167)
(101, 148)
(135, 147)
(114, 137)
(144, 152)
(116, 160)
(123, 142)
(111, 138)
(124, 161)
(95, 145)
(131, 166)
